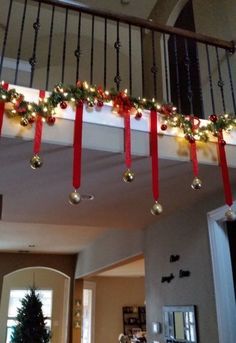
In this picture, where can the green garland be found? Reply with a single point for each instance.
(94, 96)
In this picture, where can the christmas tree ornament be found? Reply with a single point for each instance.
(89, 106)
(31, 120)
(128, 176)
(163, 127)
(24, 121)
(191, 139)
(138, 115)
(196, 184)
(230, 215)
(156, 209)
(99, 105)
(36, 162)
(63, 105)
(74, 197)
(51, 120)
(213, 118)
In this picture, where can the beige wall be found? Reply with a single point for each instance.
(112, 293)
(185, 234)
(10, 262)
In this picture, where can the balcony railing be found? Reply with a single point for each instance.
(44, 42)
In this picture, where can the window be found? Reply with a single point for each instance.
(88, 312)
(15, 303)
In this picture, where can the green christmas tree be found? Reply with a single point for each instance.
(31, 326)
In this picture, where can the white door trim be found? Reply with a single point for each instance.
(222, 275)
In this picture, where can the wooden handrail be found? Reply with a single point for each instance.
(198, 37)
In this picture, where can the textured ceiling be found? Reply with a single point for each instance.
(40, 198)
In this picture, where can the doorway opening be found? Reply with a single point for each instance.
(222, 275)
(119, 305)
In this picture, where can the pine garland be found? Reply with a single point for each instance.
(95, 97)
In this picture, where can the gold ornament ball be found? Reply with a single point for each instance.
(128, 176)
(24, 121)
(230, 215)
(156, 209)
(36, 162)
(196, 184)
(74, 198)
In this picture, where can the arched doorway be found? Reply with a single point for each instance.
(52, 283)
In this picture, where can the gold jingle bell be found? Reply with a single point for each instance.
(36, 162)
(196, 184)
(230, 215)
(74, 198)
(128, 176)
(156, 209)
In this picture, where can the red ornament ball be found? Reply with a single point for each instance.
(191, 139)
(31, 120)
(99, 103)
(51, 120)
(163, 127)
(63, 105)
(213, 118)
(222, 142)
(138, 115)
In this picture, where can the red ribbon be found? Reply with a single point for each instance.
(77, 145)
(127, 142)
(195, 122)
(38, 128)
(154, 154)
(2, 107)
(193, 154)
(224, 170)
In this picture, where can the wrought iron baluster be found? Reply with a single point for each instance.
(189, 84)
(154, 66)
(78, 50)
(92, 52)
(5, 36)
(200, 88)
(130, 61)
(142, 61)
(177, 72)
(231, 81)
(220, 81)
(105, 53)
(64, 47)
(33, 60)
(210, 79)
(20, 42)
(117, 46)
(166, 69)
(50, 46)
